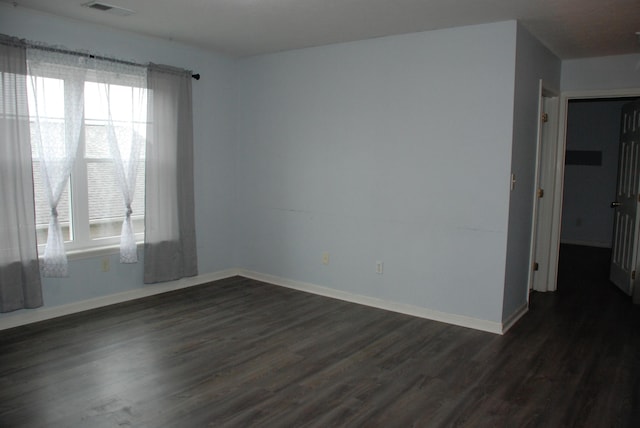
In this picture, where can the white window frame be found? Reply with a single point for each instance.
(81, 242)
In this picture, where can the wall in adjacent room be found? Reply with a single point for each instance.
(395, 149)
(601, 73)
(584, 218)
(587, 218)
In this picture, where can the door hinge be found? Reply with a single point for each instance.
(536, 266)
(545, 117)
(540, 192)
(633, 274)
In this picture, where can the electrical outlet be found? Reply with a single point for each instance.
(379, 267)
(325, 258)
(106, 264)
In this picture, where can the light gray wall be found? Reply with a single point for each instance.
(394, 149)
(588, 190)
(602, 73)
(533, 62)
(213, 132)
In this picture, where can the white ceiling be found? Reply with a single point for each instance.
(569, 28)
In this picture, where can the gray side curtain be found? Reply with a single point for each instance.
(170, 237)
(20, 285)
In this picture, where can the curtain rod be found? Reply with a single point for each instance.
(34, 45)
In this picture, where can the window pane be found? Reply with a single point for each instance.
(43, 211)
(50, 95)
(126, 103)
(50, 107)
(126, 106)
(106, 204)
(96, 145)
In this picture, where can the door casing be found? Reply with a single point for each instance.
(544, 170)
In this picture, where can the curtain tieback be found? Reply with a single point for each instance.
(54, 212)
(129, 211)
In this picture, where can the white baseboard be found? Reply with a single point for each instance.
(586, 243)
(41, 314)
(459, 320)
(509, 322)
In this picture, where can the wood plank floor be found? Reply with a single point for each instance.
(240, 353)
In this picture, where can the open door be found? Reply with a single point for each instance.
(543, 200)
(624, 255)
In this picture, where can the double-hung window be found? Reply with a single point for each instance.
(106, 182)
(88, 135)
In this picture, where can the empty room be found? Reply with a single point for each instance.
(310, 213)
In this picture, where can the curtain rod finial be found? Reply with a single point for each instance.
(196, 76)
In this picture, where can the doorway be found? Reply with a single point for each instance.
(590, 177)
(590, 172)
(576, 221)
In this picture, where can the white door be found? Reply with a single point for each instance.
(624, 255)
(543, 203)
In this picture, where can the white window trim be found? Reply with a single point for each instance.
(91, 253)
(82, 245)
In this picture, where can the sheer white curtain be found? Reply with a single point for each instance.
(122, 100)
(57, 83)
(170, 238)
(20, 285)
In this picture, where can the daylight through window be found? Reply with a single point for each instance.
(92, 207)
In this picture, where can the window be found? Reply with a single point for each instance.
(92, 208)
(70, 107)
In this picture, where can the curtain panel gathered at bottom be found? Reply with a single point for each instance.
(125, 134)
(58, 123)
(20, 285)
(170, 238)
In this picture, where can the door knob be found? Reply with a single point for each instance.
(615, 204)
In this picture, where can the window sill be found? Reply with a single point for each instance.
(95, 252)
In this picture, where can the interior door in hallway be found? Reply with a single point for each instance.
(624, 258)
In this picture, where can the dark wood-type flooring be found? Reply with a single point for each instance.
(238, 353)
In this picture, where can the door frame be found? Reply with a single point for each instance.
(561, 143)
(548, 100)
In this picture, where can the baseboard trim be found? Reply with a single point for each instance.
(586, 243)
(42, 314)
(459, 320)
(510, 322)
